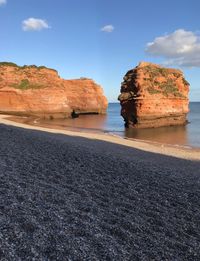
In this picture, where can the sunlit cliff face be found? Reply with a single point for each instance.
(40, 91)
(153, 96)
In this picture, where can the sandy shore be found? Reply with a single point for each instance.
(179, 152)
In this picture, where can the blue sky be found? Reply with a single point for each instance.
(67, 35)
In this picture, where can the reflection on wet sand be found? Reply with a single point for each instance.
(100, 123)
(88, 122)
(170, 135)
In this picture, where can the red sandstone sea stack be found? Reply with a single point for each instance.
(154, 96)
(32, 90)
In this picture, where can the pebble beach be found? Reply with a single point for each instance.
(80, 196)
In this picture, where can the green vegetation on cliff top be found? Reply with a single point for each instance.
(166, 88)
(25, 66)
(155, 71)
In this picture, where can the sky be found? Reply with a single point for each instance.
(102, 39)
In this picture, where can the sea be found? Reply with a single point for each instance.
(112, 123)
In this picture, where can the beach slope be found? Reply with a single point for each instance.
(74, 198)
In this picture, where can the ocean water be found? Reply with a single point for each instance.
(188, 135)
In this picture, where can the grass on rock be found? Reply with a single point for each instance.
(25, 85)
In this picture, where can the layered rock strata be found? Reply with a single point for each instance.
(32, 90)
(154, 96)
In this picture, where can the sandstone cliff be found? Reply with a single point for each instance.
(32, 90)
(153, 96)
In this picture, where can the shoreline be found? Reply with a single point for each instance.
(189, 153)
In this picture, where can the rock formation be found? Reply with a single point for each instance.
(32, 90)
(154, 96)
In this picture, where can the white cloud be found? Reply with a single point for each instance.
(108, 28)
(3, 2)
(33, 24)
(179, 48)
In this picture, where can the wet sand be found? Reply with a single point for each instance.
(85, 196)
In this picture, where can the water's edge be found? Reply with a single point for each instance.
(187, 136)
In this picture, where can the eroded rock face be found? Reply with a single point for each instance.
(31, 90)
(154, 96)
